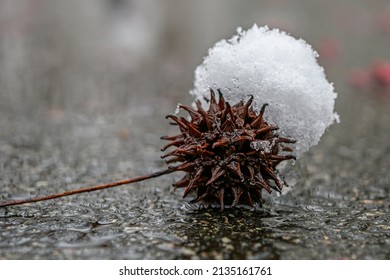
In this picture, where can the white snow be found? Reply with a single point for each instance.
(276, 69)
(262, 145)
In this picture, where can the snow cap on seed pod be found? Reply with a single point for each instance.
(277, 69)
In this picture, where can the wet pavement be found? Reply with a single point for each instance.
(337, 208)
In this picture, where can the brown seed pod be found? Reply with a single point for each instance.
(229, 153)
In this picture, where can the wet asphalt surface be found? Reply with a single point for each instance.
(337, 209)
(338, 206)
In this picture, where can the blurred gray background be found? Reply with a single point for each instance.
(89, 55)
(84, 89)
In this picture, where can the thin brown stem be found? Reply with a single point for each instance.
(88, 189)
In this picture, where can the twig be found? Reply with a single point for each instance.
(88, 189)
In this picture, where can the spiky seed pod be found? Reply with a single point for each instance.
(229, 153)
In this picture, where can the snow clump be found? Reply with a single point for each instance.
(276, 69)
